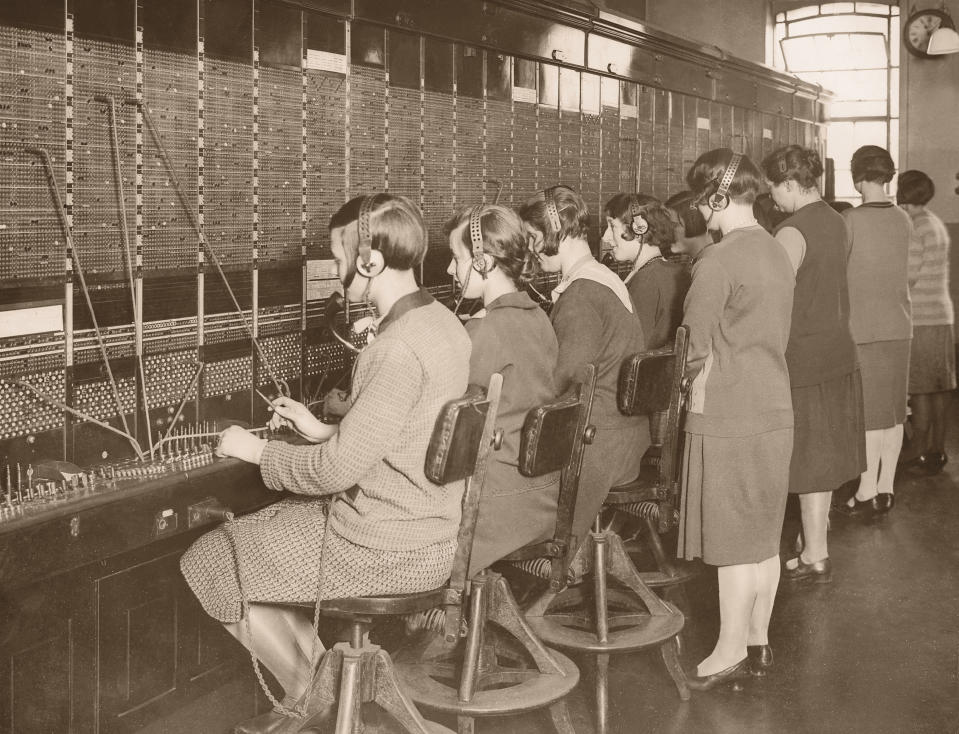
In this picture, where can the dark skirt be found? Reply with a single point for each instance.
(734, 497)
(885, 377)
(829, 445)
(279, 552)
(932, 361)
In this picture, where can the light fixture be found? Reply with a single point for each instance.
(943, 41)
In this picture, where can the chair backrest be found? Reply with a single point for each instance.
(652, 382)
(462, 443)
(554, 439)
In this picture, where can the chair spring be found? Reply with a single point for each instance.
(537, 567)
(432, 620)
(641, 509)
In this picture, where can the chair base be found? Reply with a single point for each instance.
(349, 677)
(613, 621)
(499, 672)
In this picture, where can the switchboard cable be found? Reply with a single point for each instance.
(47, 398)
(61, 216)
(125, 239)
(281, 385)
(179, 410)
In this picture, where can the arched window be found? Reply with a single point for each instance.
(846, 48)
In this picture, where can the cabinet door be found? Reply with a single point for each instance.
(47, 659)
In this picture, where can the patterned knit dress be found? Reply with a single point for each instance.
(389, 529)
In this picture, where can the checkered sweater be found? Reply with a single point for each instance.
(400, 382)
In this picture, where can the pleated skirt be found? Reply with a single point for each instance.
(829, 445)
(932, 360)
(734, 497)
(885, 378)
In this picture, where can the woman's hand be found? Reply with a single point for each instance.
(236, 442)
(289, 413)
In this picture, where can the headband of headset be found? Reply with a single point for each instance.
(552, 213)
(369, 261)
(476, 238)
(720, 200)
(637, 222)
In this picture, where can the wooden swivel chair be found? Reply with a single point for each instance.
(653, 382)
(356, 671)
(503, 668)
(602, 620)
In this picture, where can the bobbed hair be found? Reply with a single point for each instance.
(706, 173)
(872, 163)
(661, 232)
(573, 216)
(793, 163)
(504, 239)
(683, 203)
(397, 230)
(915, 187)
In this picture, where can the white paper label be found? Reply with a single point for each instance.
(325, 61)
(628, 110)
(321, 279)
(523, 94)
(702, 123)
(767, 134)
(31, 320)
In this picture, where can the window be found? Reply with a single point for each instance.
(852, 50)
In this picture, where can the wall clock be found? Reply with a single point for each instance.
(918, 28)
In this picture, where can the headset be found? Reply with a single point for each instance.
(552, 213)
(369, 262)
(637, 222)
(476, 238)
(719, 200)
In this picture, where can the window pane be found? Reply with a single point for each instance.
(840, 143)
(779, 33)
(839, 51)
(855, 108)
(894, 93)
(894, 141)
(894, 47)
(844, 188)
(851, 85)
(803, 12)
(877, 8)
(834, 8)
(839, 24)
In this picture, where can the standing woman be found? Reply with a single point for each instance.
(829, 446)
(880, 237)
(739, 423)
(932, 366)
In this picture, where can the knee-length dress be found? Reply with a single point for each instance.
(880, 310)
(596, 323)
(829, 442)
(389, 529)
(739, 423)
(515, 339)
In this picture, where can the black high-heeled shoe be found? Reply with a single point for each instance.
(860, 508)
(885, 501)
(818, 571)
(733, 674)
(760, 659)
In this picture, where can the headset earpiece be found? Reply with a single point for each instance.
(720, 199)
(369, 262)
(637, 222)
(476, 239)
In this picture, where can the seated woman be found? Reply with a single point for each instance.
(641, 231)
(365, 520)
(595, 322)
(739, 425)
(513, 337)
(692, 237)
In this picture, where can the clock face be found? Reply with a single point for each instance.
(919, 28)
